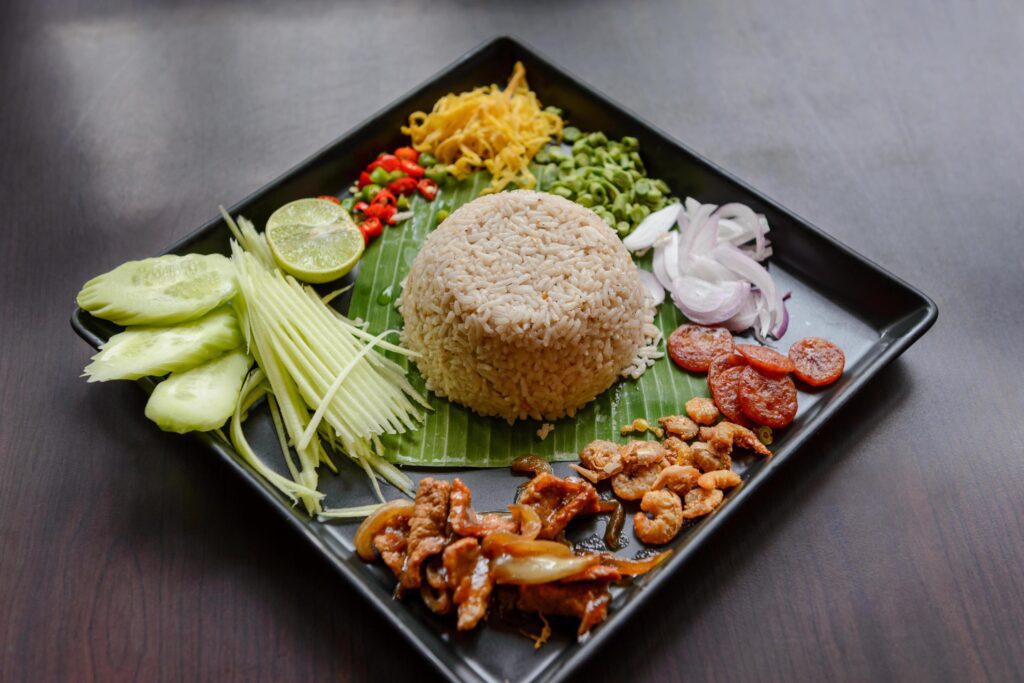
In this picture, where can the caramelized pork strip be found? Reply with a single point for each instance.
(469, 577)
(464, 521)
(391, 544)
(434, 591)
(557, 501)
(586, 600)
(427, 528)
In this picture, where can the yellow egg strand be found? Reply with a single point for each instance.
(487, 128)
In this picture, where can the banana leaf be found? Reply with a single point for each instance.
(455, 436)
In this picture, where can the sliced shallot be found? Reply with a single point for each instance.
(710, 265)
(658, 223)
(653, 287)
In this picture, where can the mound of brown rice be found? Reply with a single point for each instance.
(524, 304)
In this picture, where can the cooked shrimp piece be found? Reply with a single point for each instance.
(667, 520)
(702, 410)
(700, 502)
(677, 478)
(718, 479)
(634, 484)
(679, 426)
(709, 460)
(677, 451)
(725, 435)
(639, 454)
(602, 458)
(590, 475)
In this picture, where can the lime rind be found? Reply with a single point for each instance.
(314, 240)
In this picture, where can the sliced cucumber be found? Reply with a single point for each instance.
(141, 351)
(202, 398)
(160, 291)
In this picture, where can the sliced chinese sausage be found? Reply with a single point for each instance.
(693, 347)
(723, 361)
(817, 361)
(763, 358)
(725, 390)
(767, 399)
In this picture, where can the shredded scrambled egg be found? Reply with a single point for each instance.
(500, 130)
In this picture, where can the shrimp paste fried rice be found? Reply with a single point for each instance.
(526, 305)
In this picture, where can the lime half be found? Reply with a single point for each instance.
(314, 239)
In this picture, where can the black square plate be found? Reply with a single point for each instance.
(837, 294)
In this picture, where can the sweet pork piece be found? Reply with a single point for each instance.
(469, 577)
(557, 501)
(427, 528)
(586, 600)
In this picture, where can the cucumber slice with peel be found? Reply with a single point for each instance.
(160, 291)
(141, 351)
(202, 398)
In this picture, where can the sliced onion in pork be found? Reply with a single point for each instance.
(529, 521)
(377, 522)
(534, 569)
(635, 567)
(501, 543)
(658, 223)
(653, 287)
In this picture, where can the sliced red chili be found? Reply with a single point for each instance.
(360, 206)
(384, 197)
(364, 180)
(330, 198)
(427, 188)
(412, 168)
(371, 227)
(389, 162)
(404, 185)
(381, 211)
(407, 154)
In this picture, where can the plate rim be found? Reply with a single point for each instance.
(922, 317)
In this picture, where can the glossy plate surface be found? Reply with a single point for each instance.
(837, 294)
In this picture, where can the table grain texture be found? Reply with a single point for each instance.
(892, 548)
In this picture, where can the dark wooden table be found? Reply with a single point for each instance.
(893, 550)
